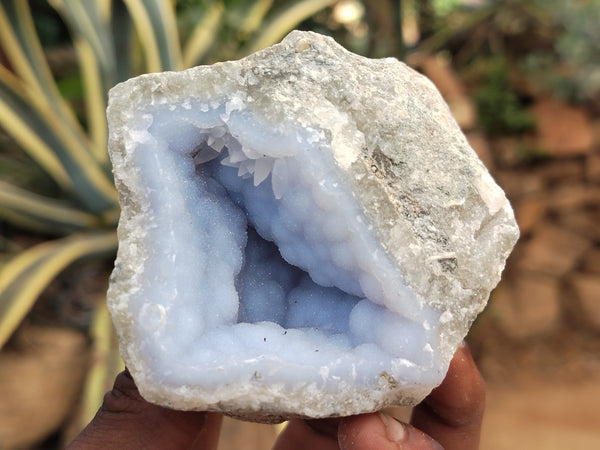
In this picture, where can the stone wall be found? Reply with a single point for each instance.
(545, 313)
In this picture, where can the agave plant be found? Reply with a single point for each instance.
(113, 41)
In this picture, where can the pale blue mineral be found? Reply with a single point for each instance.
(304, 232)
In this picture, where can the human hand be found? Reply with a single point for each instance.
(450, 418)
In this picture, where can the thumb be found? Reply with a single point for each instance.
(378, 431)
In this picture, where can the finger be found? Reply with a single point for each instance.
(127, 421)
(377, 431)
(453, 412)
(318, 434)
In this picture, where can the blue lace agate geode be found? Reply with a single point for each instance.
(304, 232)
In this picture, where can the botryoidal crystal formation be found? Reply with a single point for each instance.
(304, 232)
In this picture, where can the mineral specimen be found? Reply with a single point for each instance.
(304, 232)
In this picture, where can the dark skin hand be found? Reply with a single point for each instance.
(449, 418)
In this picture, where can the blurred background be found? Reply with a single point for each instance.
(522, 78)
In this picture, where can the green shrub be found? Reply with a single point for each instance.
(500, 110)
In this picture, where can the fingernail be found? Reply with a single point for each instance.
(395, 431)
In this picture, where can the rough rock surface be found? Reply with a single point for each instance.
(304, 232)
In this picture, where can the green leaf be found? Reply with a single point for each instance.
(93, 42)
(255, 17)
(285, 22)
(122, 31)
(95, 100)
(21, 44)
(13, 118)
(42, 214)
(85, 21)
(25, 276)
(42, 134)
(161, 46)
(106, 364)
(203, 35)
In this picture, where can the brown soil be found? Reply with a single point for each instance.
(542, 415)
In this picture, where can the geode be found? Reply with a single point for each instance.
(304, 232)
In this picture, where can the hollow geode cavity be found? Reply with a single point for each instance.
(304, 232)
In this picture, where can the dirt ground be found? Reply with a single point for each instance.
(543, 415)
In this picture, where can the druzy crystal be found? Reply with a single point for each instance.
(304, 232)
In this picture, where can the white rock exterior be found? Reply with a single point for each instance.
(304, 232)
